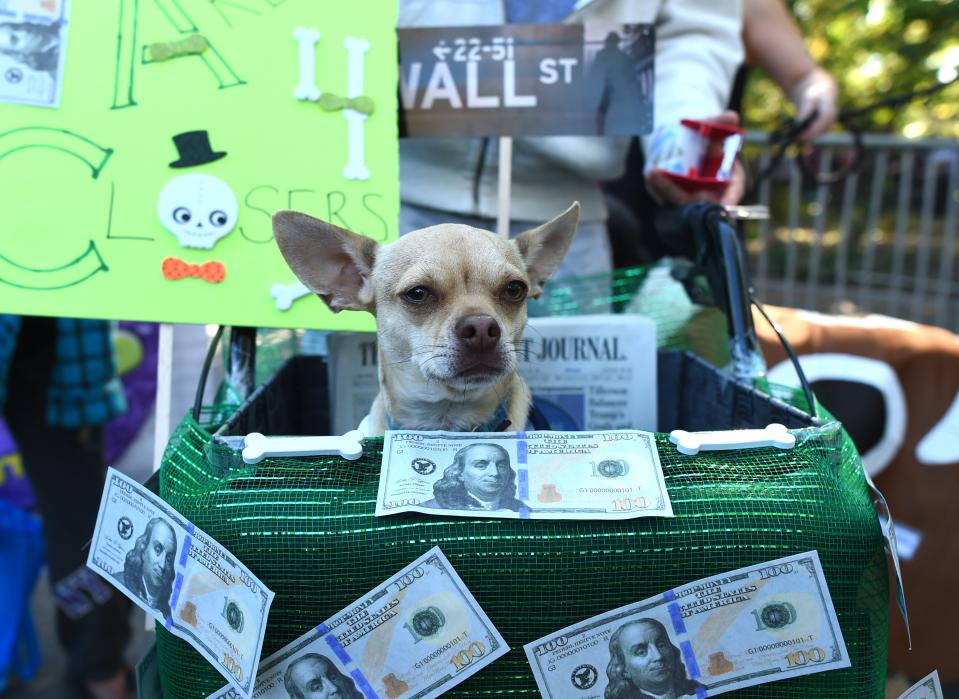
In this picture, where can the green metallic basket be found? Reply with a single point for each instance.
(306, 527)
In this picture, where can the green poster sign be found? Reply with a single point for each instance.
(172, 130)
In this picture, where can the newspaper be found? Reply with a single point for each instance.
(353, 378)
(594, 372)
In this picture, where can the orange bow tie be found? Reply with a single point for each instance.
(213, 272)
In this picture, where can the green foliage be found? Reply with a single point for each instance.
(875, 49)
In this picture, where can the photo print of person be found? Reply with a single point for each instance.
(619, 77)
(645, 664)
(148, 569)
(314, 676)
(480, 478)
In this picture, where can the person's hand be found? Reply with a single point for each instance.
(665, 191)
(668, 192)
(817, 92)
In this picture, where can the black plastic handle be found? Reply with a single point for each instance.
(703, 233)
(241, 365)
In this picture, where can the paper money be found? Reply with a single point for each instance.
(33, 36)
(33, 9)
(926, 688)
(415, 636)
(537, 475)
(181, 577)
(754, 625)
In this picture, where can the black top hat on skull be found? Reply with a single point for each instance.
(194, 149)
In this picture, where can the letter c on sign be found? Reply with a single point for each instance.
(80, 267)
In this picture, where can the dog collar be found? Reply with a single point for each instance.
(535, 420)
(498, 423)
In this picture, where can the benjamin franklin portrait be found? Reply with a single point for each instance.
(34, 45)
(480, 478)
(644, 664)
(148, 569)
(314, 676)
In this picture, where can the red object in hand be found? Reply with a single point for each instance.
(718, 145)
(175, 268)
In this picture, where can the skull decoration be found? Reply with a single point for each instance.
(197, 209)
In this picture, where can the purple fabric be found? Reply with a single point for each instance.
(21, 555)
(139, 387)
(14, 486)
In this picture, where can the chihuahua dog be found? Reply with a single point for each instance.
(450, 307)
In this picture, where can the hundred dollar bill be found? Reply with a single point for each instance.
(31, 10)
(415, 636)
(181, 577)
(537, 475)
(754, 625)
(926, 688)
(33, 35)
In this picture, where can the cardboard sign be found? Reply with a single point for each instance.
(141, 169)
(527, 80)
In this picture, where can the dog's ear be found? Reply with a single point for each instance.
(544, 247)
(330, 261)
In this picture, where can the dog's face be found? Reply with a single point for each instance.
(450, 300)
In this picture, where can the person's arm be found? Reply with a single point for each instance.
(774, 44)
(699, 46)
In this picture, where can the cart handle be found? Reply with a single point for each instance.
(241, 366)
(703, 233)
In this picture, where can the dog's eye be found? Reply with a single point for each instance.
(418, 294)
(515, 290)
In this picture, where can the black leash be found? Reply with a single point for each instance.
(786, 136)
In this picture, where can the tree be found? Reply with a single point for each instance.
(875, 49)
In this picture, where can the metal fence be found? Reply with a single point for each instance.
(882, 239)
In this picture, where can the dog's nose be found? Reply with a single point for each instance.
(478, 333)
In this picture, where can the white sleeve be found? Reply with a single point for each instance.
(698, 49)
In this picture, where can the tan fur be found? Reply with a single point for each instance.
(423, 383)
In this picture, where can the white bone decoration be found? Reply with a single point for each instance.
(286, 294)
(356, 167)
(691, 443)
(307, 89)
(258, 447)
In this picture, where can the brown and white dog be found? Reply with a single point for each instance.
(450, 306)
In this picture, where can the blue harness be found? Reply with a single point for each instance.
(499, 422)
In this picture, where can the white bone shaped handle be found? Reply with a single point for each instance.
(286, 294)
(257, 447)
(690, 443)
